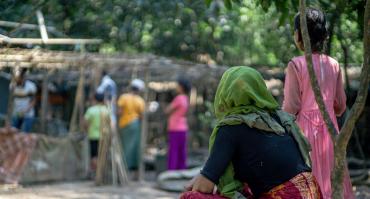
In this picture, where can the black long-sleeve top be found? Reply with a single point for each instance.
(261, 159)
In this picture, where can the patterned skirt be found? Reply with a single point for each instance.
(302, 186)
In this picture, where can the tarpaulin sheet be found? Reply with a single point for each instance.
(29, 158)
(15, 150)
(55, 159)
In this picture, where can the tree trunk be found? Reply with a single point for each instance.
(356, 110)
(313, 79)
(341, 141)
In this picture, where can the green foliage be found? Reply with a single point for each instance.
(208, 118)
(342, 16)
(249, 32)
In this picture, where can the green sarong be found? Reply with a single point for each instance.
(130, 138)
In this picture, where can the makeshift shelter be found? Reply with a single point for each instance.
(81, 72)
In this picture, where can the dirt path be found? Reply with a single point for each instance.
(87, 190)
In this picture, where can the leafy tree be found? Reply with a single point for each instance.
(251, 33)
(340, 140)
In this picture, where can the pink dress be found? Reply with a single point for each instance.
(177, 130)
(177, 120)
(299, 100)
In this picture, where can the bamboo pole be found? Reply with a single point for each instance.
(25, 26)
(54, 41)
(77, 113)
(77, 102)
(104, 148)
(81, 102)
(44, 102)
(41, 21)
(113, 161)
(9, 113)
(144, 125)
(119, 167)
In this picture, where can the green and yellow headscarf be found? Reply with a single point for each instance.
(242, 98)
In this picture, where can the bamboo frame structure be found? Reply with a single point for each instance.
(25, 26)
(55, 41)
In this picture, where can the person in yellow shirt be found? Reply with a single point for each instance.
(130, 109)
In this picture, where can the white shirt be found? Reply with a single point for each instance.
(28, 91)
(107, 87)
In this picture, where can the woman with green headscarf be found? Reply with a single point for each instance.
(255, 149)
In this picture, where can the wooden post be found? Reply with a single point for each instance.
(77, 102)
(144, 125)
(81, 102)
(9, 113)
(44, 102)
(77, 113)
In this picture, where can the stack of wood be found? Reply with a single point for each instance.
(111, 168)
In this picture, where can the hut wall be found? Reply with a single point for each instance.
(4, 90)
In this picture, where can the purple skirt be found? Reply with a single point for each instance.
(177, 150)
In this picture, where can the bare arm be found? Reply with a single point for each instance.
(169, 109)
(340, 96)
(172, 106)
(292, 92)
(220, 157)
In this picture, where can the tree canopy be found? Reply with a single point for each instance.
(251, 33)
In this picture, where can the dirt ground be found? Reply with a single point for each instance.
(87, 190)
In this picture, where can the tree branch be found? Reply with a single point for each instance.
(359, 104)
(314, 83)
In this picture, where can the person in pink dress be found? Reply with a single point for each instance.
(299, 99)
(178, 126)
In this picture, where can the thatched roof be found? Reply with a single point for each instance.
(123, 67)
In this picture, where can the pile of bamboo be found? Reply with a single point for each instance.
(111, 168)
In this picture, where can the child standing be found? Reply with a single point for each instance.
(299, 99)
(93, 122)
